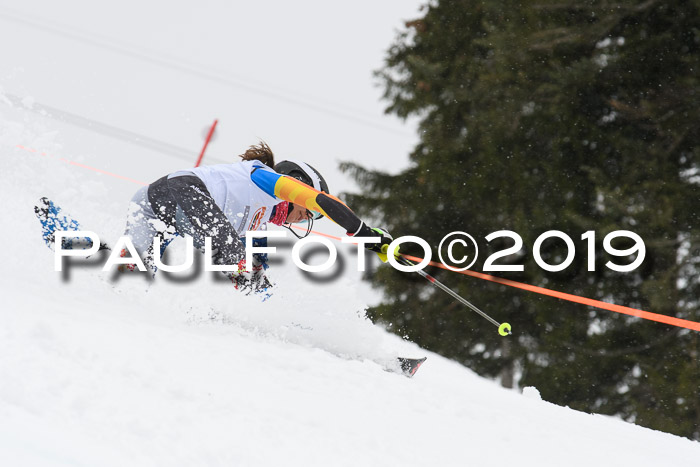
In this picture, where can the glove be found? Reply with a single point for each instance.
(382, 247)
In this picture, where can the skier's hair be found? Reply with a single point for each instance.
(260, 152)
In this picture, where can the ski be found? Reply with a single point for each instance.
(409, 366)
(52, 218)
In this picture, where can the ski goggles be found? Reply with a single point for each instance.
(311, 215)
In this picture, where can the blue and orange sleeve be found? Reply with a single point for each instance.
(292, 190)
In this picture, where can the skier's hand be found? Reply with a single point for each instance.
(382, 247)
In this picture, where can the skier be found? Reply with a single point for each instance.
(224, 201)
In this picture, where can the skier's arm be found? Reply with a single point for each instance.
(294, 191)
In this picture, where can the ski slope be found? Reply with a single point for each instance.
(112, 373)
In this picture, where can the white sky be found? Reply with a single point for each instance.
(296, 74)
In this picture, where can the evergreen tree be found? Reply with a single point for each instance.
(566, 115)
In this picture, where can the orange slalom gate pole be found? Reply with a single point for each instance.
(206, 143)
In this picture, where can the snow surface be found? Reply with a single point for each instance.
(98, 372)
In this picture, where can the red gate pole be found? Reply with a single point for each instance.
(206, 143)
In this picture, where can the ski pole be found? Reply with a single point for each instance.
(504, 329)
